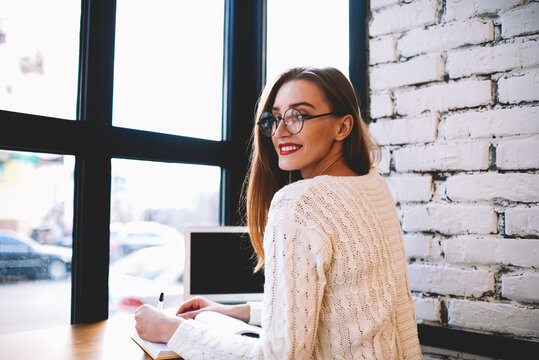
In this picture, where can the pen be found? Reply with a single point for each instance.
(160, 303)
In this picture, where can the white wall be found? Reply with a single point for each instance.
(455, 106)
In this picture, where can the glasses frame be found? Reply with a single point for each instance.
(270, 119)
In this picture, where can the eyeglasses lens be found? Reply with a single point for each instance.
(267, 124)
(293, 121)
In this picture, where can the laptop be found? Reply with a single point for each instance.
(219, 263)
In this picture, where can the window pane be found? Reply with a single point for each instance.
(151, 205)
(307, 33)
(36, 218)
(168, 74)
(39, 56)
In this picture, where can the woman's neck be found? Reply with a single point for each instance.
(333, 165)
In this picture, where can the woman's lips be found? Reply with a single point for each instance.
(288, 148)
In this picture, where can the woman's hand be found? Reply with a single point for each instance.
(196, 305)
(155, 326)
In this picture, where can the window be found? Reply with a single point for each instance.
(36, 217)
(166, 78)
(39, 57)
(97, 143)
(307, 33)
(151, 205)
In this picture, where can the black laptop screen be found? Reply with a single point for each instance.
(223, 263)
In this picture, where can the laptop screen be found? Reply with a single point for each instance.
(219, 265)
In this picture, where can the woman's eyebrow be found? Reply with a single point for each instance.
(301, 103)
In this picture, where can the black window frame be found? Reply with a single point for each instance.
(93, 140)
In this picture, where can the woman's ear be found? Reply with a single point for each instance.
(345, 127)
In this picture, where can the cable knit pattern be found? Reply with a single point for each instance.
(336, 283)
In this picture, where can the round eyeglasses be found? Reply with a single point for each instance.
(293, 121)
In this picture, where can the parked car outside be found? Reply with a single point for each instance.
(135, 235)
(141, 276)
(21, 256)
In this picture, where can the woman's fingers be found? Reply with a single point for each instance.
(192, 305)
(189, 314)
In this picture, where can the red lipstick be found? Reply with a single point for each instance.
(288, 148)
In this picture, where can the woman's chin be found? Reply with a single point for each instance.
(287, 167)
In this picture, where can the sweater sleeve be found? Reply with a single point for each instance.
(296, 260)
(255, 312)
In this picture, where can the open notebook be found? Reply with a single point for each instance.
(219, 263)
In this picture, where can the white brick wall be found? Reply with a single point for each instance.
(383, 49)
(518, 153)
(522, 286)
(427, 309)
(486, 186)
(506, 318)
(422, 246)
(381, 105)
(463, 9)
(450, 280)
(443, 156)
(405, 16)
(522, 20)
(410, 187)
(497, 122)
(451, 219)
(522, 221)
(519, 86)
(375, 4)
(494, 6)
(488, 250)
(384, 161)
(405, 131)
(455, 98)
(444, 96)
(485, 60)
(419, 70)
(444, 37)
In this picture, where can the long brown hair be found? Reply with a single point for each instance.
(265, 178)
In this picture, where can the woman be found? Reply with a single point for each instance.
(330, 244)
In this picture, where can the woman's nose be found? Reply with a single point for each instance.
(281, 129)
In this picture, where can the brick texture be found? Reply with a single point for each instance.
(522, 20)
(485, 60)
(505, 318)
(451, 219)
(522, 286)
(422, 247)
(489, 250)
(450, 280)
(419, 70)
(444, 96)
(486, 186)
(427, 309)
(405, 131)
(405, 16)
(454, 88)
(381, 105)
(522, 221)
(410, 187)
(443, 37)
(497, 122)
(518, 153)
(519, 87)
(383, 49)
(443, 156)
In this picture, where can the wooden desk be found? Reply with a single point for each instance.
(109, 339)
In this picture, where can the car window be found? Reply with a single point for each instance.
(11, 245)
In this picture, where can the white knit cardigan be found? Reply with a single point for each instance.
(336, 282)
